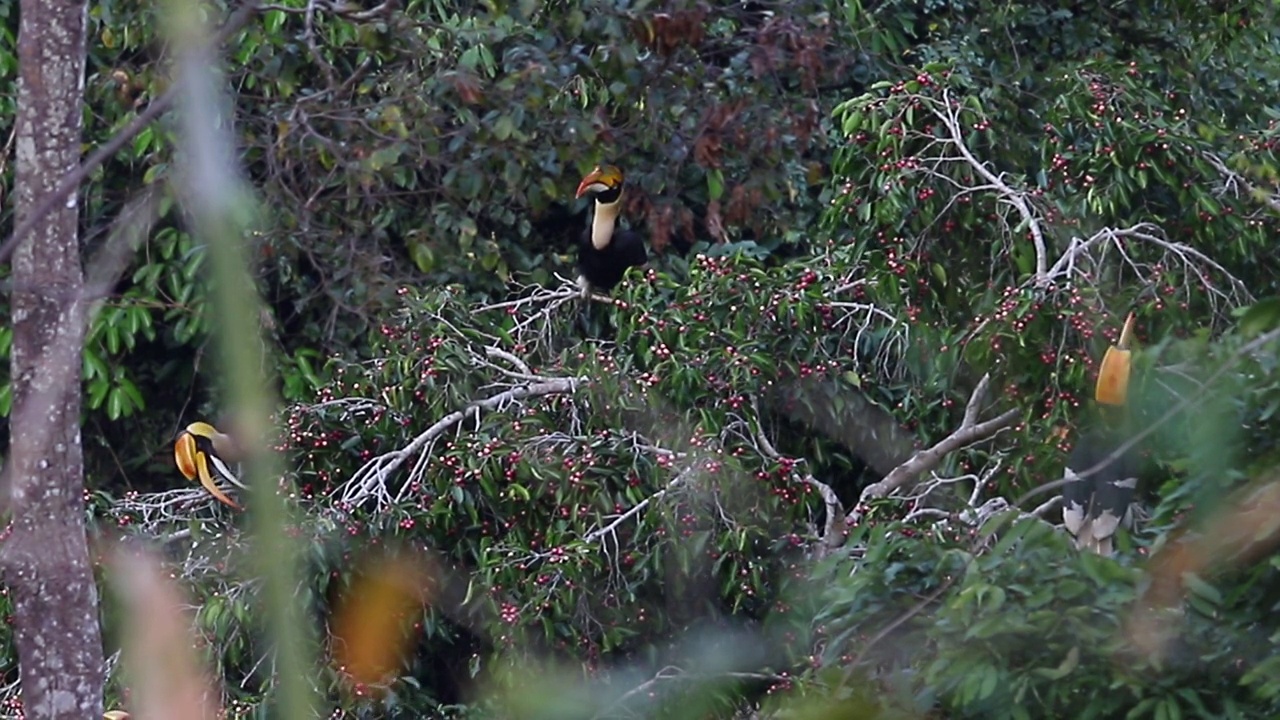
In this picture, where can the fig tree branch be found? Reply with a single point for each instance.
(970, 431)
(371, 477)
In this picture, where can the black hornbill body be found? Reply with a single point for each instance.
(1098, 500)
(605, 251)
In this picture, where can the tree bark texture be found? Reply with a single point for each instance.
(46, 558)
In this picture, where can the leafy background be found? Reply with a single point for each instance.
(857, 211)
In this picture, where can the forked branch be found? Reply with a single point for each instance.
(970, 431)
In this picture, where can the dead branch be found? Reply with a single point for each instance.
(969, 432)
(948, 113)
(371, 478)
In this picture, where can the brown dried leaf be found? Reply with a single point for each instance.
(739, 208)
(638, 203)
(468, 87)
(686, 225)
(706, 150)
(659, 221)
(762, 61)
(714, 223)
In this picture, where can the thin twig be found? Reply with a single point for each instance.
(375, 472)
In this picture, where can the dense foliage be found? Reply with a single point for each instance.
(859, 212)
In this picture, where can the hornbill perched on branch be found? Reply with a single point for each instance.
(200, 451)
(605, 251)
(1097, 500)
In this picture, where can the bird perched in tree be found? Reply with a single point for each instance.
(202, 452)
(1098, 500)
(605, 251)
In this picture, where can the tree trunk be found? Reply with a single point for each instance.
(46, 559)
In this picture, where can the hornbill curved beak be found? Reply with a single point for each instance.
(601, 179)
(198, 452)
(1113, 374)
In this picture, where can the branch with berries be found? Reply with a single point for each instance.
(946, 147)
(947, 111)
(371, 479)
(833, 532)
(1204, 276)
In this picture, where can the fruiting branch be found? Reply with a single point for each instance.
(833, 532)
(1233, 179)
(1083, 256)
(636, 509)
(948, 113)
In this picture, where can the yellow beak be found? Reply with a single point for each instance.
(194, 463)
(1113, 375)
(600, 180)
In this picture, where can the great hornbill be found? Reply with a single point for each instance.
(1097, 500)
(605, 251)
(199, 452)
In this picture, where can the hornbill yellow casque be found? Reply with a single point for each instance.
(1096, 503)
(605, 251)
(202, 453)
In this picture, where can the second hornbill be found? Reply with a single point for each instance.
(1097, 497)
(201, 453)
(605, 251)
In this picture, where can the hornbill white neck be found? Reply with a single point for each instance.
(604, 221)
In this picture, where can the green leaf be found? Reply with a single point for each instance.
(1201, 588)
(715, 184)
(134, 397)
(504, 127)
(1261, 317)
(422, 256)
(1068, 664)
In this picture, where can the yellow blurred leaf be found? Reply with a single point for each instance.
(371, 627)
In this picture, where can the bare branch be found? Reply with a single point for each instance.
(354, 13)
(372, 477)
(948, 113)
(969, 432)
(1084, 256)
(639, 507)
(1231, 177)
